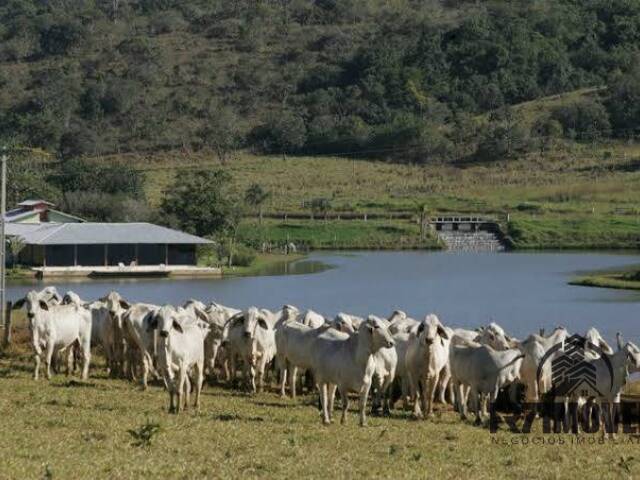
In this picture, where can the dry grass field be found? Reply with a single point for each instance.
(105, 428)
(575, 196)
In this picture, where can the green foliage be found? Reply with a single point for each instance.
(623, 104)
(583, 120)
(144, 434)
(201, 202)
(379, 79)
(90, 176)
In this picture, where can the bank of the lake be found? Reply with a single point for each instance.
(622, 280)
(264, 264)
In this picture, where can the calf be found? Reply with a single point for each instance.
(57, 328)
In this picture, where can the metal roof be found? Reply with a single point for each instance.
(31, 203)
(99, 234)
(20, 213)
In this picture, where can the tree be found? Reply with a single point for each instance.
(623, 104)
(222, 132)
(545, 131)
(255, 196)
(202, 202)
(283, 132)
(16, 245)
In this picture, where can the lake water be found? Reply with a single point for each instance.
(520, 291)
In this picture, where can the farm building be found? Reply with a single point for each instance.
(55, 239)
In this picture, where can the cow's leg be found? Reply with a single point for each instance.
(324, 400)
(282, 366)
(187, 390)
(180, 390)
(331, 393)
(345, 405)
(364, 394)
(431, 383)
(404, 387)
(414, 387)
(461, 397)
(85, 348)
(70, 360)
(443, 383)
(199, 382)
(146, 360)
(294, 381)
(49, 357)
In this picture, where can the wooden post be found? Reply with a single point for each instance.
(75, 255)
(166, 254)
(106, 255)
(7, 324)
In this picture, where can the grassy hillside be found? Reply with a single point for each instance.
(574, 197)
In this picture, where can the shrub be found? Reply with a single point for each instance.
(243, 256)
(585, 119)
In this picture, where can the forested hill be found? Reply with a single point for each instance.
(406, 80)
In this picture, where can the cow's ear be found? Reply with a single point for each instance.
(237, 318)
(262, 323)
(43, 305)
(443, 332)
(153, 322)
(420, 329)
(19, 304)
(66, 300)
(125, 305)
(56, 296)
(508, 338)
(201, 315)
(177, 326)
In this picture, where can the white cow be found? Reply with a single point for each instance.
(400, 322)
(426, 363)
(250, 336)
(346, 323)
(117, 307)
(181, 352)
(217, 315)
(56, 328)
(293, 347)
(312, 319)
(534, 348)
(140, 336)
(386, 365)
(102, 324)
(347, 362)
(484, 370)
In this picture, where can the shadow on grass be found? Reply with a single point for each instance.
(81, 384)
(231, 417)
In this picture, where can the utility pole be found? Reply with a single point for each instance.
(3, 243)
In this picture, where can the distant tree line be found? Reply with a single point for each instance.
(428, 81)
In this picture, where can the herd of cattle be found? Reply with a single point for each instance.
(421, 359)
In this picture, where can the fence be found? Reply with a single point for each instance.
(7, 324)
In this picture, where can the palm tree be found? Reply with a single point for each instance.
(255, 196)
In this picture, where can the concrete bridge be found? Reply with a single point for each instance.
(468, 223)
